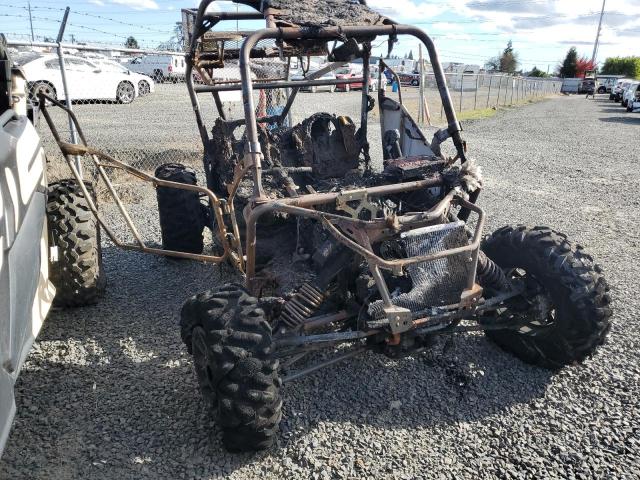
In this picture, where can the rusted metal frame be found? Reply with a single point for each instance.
(324, 338)
(287, 106)
(76, 173)
(195, 105)
(453, 125)
(308, 201)
(364, 110)
(205, 77)
(209, 58)
(398, 265)
(377, 227)
(271, 85)
(306, 371)
(322, 320)
(313, 200)
(156, 182)
(68, 149)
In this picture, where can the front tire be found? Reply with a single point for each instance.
(182, 216)
(226, 332)
(143, 88)
(73, 229)
(573, 296)
(125, 92)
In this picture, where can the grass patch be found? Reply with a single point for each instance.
(477, 114)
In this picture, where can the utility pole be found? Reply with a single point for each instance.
(30, 21)
(595, 46)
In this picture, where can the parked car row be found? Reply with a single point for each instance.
(87, 79)
(627, 93)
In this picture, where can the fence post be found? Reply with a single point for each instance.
(489, 93)
(475, 99)
(65, 86)
(506, 90)
(461, 89)
(513, 81)
(499, 90)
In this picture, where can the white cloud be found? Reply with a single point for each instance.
(137, 4)
(100, 3)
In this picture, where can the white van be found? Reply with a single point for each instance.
(160, 67)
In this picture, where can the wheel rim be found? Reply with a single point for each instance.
(125, 92)
(42, 88)
(201, 363)
(143, 88)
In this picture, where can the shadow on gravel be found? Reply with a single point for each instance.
(110, 388)
(631, 119)
(613, 109)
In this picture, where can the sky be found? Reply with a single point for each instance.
(467, 31)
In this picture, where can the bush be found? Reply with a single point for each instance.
(627, 66)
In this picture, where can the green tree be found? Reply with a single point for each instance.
(131, 43)
(627, 66)
(569, 67)
(536, 72)
(507, 61)
(410, 57)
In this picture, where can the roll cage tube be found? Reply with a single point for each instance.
(292, 33)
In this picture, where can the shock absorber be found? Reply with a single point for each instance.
(491, 275)
(306, 301)
(302, 305)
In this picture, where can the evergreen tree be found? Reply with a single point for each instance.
(569, 67)
(131, 43)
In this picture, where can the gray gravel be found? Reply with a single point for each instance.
(108, 392)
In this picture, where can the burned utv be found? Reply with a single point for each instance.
(346, 238)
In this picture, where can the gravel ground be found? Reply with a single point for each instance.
(108, 391)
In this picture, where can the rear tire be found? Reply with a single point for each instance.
(73, 229)
(44, 87)
(182, 216)
(574, 296)
(226, 332)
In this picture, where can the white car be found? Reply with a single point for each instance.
(143, 83)
(629, 94)
(86, 80)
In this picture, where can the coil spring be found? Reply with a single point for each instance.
(301, 306)
(491, 275)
